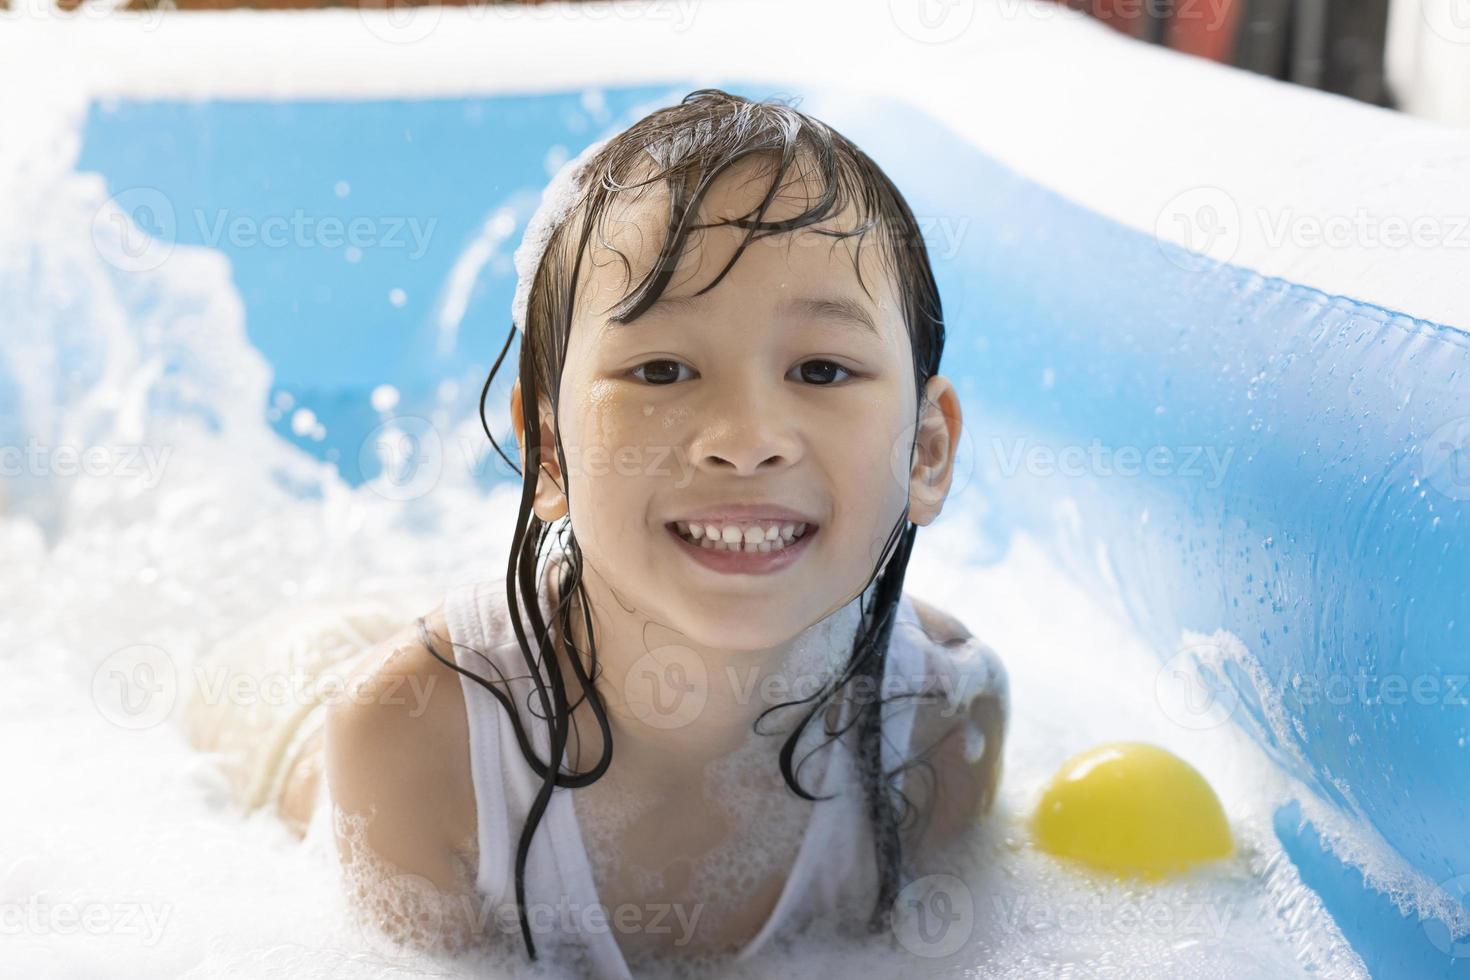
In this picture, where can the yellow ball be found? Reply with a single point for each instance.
(1131, 809)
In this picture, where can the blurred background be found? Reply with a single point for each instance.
(1410, 55)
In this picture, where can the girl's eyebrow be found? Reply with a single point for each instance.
(840, 309)
(836, 309)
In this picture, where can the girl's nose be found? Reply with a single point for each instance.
(749, 430)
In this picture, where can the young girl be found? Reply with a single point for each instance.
(709, 714)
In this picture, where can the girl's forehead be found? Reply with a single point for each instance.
(625, 247)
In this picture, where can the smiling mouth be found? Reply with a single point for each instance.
(743, 536)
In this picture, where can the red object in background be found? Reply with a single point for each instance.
(1205, 28)
(1128, 16)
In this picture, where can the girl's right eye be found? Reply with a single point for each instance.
(661, 372)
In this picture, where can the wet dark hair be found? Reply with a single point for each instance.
(687, 147)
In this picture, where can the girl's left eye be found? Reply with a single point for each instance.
(660, 374)
(823, 376)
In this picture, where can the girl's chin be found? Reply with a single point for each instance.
(734, 633)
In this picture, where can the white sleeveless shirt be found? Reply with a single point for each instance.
(834, 867)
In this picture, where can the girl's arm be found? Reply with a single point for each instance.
(397, 764)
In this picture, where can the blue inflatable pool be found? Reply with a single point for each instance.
(1210, 333)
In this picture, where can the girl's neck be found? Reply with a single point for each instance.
(675, 710)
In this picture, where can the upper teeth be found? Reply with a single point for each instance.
(743, 535)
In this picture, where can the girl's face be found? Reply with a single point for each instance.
(785, 388)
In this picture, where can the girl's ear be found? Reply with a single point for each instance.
(550, 503)
(936, 438)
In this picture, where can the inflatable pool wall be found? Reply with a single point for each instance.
(1209, 331)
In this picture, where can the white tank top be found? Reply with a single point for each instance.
(834, 866)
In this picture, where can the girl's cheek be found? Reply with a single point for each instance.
(602, 418)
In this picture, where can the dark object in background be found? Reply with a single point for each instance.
(1335, 46)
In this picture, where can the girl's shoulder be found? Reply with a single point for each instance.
(960, 720)
(948, 660)
(403, 705)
